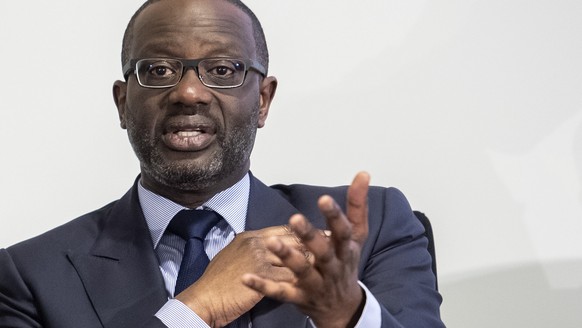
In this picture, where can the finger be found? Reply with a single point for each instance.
(295, 260)
(282, 291)
(291, 240)
(340, 226)
(357, 206)
(284, 233)
(314, 240)
(282, 274)
(273, 260)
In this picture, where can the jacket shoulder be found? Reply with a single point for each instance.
(297, 192)
(78, 233)
(304, 197)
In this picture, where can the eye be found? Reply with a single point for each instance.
(160, 69)
(222, 68)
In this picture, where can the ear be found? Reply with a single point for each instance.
(268, 87)
(119, 96)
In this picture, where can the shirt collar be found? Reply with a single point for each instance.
(231, 204)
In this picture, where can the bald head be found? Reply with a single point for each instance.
(258, 34)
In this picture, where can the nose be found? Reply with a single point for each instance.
(190, 91)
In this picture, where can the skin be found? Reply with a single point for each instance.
(327, 290)
(190, 167)
(196, 29)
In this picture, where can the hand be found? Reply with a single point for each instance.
(327, 289)
(219, 296)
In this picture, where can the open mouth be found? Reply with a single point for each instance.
(189, 137)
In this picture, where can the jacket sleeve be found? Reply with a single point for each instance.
(17, 307)
(396, 266)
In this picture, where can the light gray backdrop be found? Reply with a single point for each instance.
(471, 108)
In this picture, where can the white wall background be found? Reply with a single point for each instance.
(472, 108)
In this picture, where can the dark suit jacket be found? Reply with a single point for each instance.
(100, 270)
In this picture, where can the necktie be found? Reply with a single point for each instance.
(192, 226)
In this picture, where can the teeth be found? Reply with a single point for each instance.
(188, 133)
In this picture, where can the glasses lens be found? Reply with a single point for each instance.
(159, 72)
(221, 72)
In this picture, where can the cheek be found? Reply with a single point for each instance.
(241, 109)
(143, 111)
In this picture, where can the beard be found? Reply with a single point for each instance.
(229, 158)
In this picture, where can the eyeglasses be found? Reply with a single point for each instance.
(220, 73)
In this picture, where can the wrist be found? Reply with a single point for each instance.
(198, 307)
(347, 317)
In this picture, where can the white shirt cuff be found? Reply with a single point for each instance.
(372, 313)
(175, 314)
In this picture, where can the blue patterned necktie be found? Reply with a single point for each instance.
(192, 226)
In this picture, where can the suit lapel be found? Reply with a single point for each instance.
(120, 273)
(269, 208)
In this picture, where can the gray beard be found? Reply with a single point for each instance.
(232, 155)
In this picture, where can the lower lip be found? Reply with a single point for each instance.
(190, 142)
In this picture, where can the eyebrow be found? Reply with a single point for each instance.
(214, 47)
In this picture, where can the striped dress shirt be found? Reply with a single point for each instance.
(231, 204)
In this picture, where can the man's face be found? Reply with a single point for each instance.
(190, 137)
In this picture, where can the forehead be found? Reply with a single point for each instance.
(193, 29)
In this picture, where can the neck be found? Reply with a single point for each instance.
(190, 197)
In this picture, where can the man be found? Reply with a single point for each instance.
(196, 90)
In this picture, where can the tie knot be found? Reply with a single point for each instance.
(193, 223)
